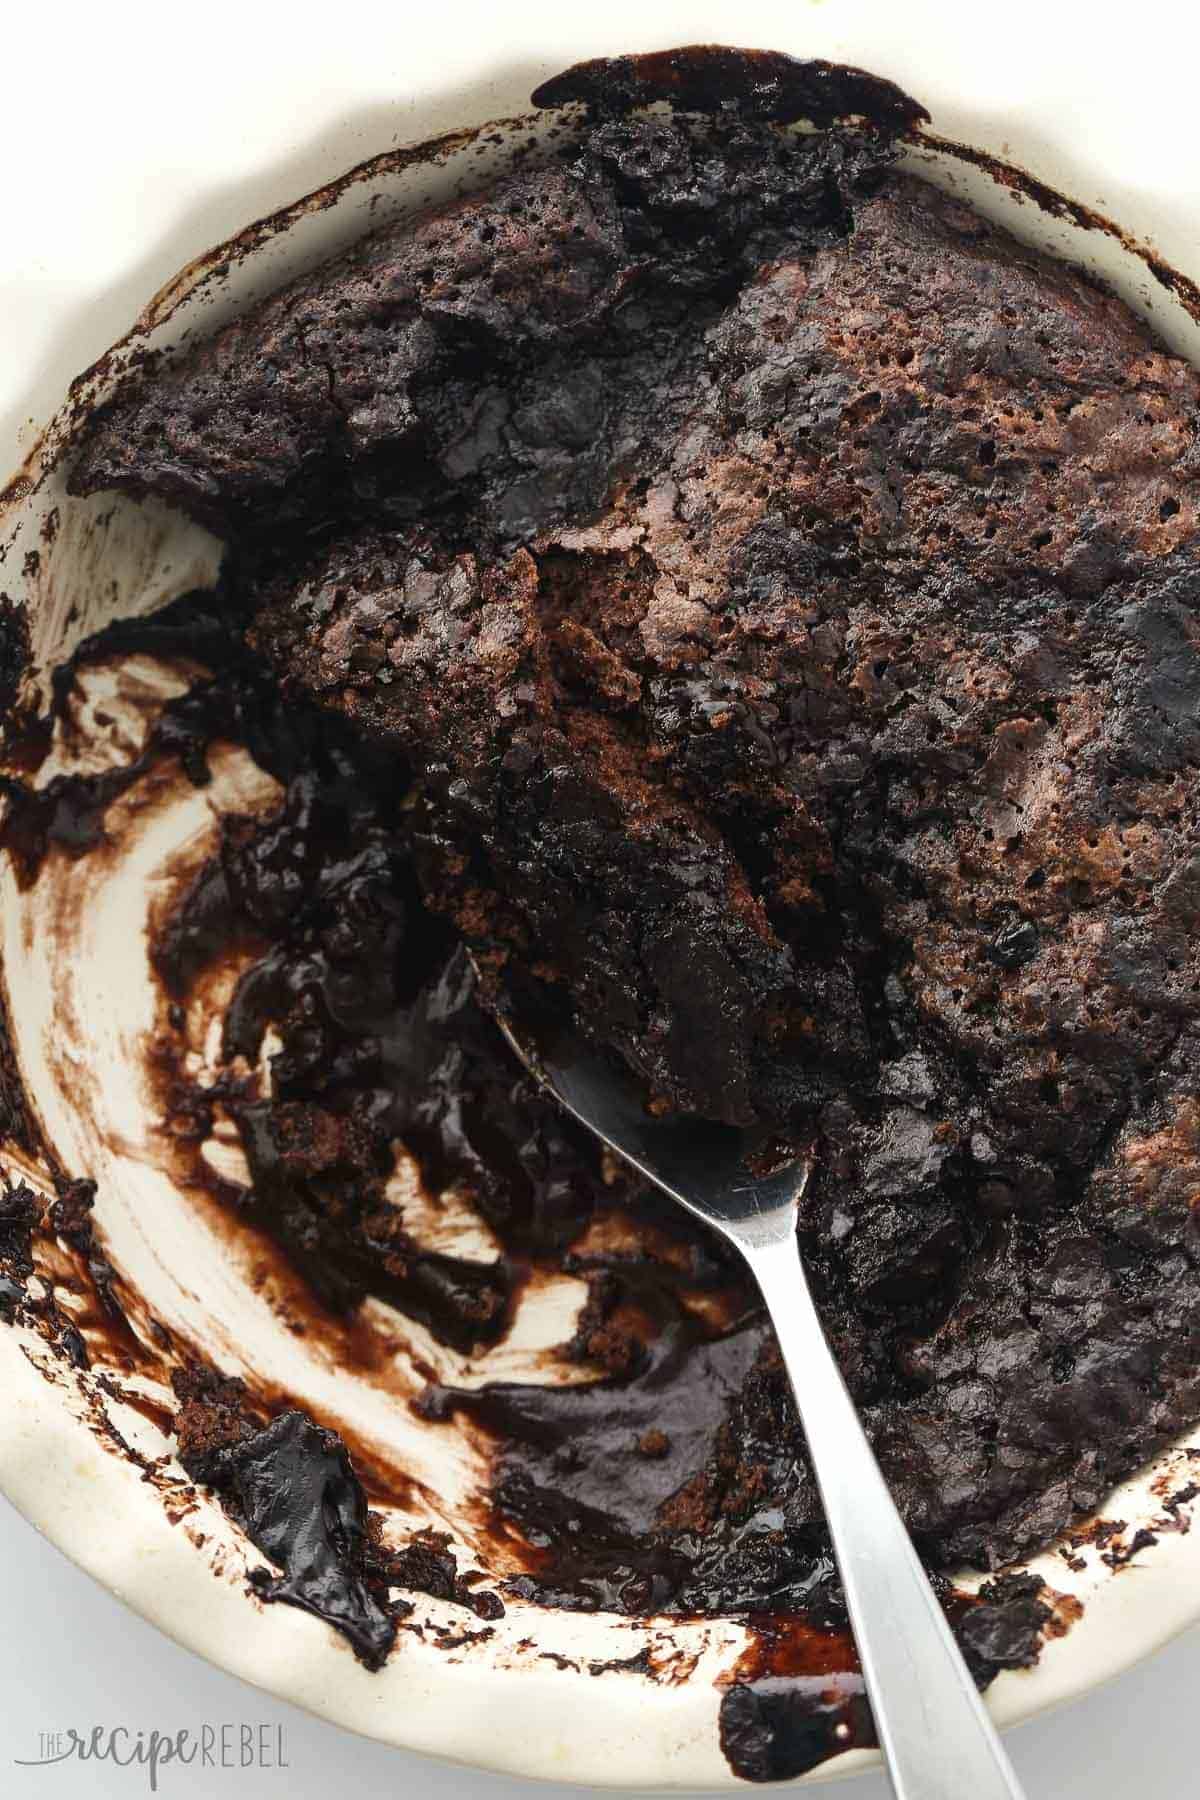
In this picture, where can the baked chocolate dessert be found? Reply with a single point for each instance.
(751, 602)
(736, 544)
(463, 400)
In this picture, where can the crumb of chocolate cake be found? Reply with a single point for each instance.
(215, 1412)
(20, 1215)
(69, 1215)
(654, 1442)
(426, 1564)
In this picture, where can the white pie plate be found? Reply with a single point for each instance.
(81, 1004)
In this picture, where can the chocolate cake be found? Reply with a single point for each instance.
(752, 603)
(735, 542)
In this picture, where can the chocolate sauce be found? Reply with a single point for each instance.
(1001, 1626)
(675, 1483)
(292, 1489)
(587, 1472)
(794, 1698)
(383, 1040)
(68, 812)
(14, 652)
(757, 84)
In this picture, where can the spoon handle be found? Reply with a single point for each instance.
(934, 1730)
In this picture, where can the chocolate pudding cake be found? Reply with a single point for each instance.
(750, 603)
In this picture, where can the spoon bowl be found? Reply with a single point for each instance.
(732, 1179)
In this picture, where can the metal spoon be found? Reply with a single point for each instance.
(937, 1739)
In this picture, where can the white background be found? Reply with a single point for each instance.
(132, 137)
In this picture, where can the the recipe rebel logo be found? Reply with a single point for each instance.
(152, 1752)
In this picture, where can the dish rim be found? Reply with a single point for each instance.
(55, 1471)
